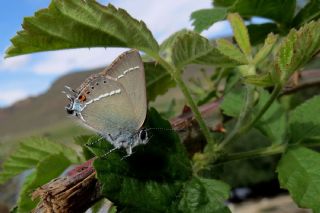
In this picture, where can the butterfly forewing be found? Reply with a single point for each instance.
(108, 108)
(128, 70)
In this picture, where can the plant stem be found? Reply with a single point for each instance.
(262, 152)
(242, 116)
(275, 93)
(175, 73)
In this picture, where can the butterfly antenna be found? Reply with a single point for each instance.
(109, 152)
(95, 142)
(161, 129)
(70, 89)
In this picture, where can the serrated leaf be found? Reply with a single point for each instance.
(228, 49)
(159, 81)
(205, 18)
(297, 49)
(304, 121)
(309, 12)
(151, 177)
(48, 168)
(273, 122)
(166, 45)
(76, 24)
(191, 48)
(240, 32)
(266, 49)
(299, 172)
(204, 195)
(265, 8)
(28, 155)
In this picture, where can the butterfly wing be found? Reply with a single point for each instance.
(128, 69)
(108, 109)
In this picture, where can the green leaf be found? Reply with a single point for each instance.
(28, 155)
(297, 49)
(228, 49)
(304, 121)
(259, 32)
(204, 195)
(273, 122)
(247, 70)
(158, 80)
(240, 32)
(191, 48)
(261, 80)
(82, 141)
(308, 13)
(266, 49)
(205, 18)
(265, 8)
(299, 172)
(232, 102)
(48, 168)
(75, 24)
(167, 44)
(151, 177)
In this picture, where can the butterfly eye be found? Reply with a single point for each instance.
(82, 98)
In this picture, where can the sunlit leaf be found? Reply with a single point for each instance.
(192, 48)
(75, 24)
(297, 49)
(47, 169)
(30, 153)
(266, 49)
(228, 49)
(240, 33)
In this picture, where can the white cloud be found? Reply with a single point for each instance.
(218, 30)
(14, 63)
(9, 97)
(60, 62)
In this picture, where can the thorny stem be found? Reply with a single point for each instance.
(175, 73)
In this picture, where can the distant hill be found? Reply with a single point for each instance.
(45, 111)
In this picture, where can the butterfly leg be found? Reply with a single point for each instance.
(129, 152)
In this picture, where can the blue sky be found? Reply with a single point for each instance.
(32, 74)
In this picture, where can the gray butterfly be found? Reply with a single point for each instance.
(113, 103)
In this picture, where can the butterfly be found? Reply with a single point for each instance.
(113, 102)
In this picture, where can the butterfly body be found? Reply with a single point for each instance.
(113, 102)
